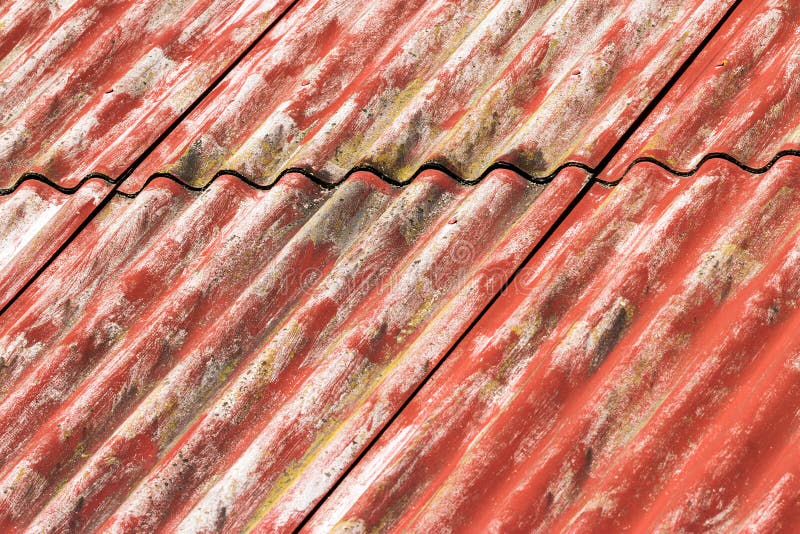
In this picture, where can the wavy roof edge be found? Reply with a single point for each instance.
(311, 175)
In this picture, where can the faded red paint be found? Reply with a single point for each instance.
(640, 375)
(396, 84)
(216, 360)
(741, 97)
(185, 336)
(34, 221)
(87, 87)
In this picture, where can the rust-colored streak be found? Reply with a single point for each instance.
(235, 349)
(396, 84)
(642, 375)
(86, 86)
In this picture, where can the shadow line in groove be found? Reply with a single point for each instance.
(495, 166)
(648, 109)
(708, 157)
(429, 166)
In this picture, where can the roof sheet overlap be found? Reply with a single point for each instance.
(740, 98)
(34, 221)
(393, 85)
(86, 86)
(215, 356)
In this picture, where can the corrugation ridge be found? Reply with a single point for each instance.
(346, 262)
(126, 284)
(589, 352)
(507, 224)
(646, 111)
(752, 65)
(190, 165)
(212, 84)
(35, 233)
(198, 67)
(376, 169)
(132, 216)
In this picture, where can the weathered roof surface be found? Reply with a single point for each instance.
(740, 98)
(640, 374)
(397, 84)
(86, 86)
(235, 349)
(212, 353)
(34, 221)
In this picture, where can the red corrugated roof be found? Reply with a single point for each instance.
(503, 349)
(395, 85)
(182, 334)
(738, 99)
(86, 86)
(640, 374)
(34, 221)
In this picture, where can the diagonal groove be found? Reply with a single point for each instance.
(554, 227)
(138, 161)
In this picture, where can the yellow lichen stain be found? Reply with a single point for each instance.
(526, 330)
(424, 310)
(394, 511)
(727, 267)
(416, 224)
(361, 384)
(270, 156)
(490, 388)
(226, 371)
(553, 47)
(647, 363)
(388, 156)
(292, 472)
(168, 424)
(777, 203)
(348, 526)
(268, 368)
(468, 142)
(79, 452)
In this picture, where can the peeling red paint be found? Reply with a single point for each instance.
(640, 375)
(396, 84)
(739, 98)
(34, 221)
(216, 359)
(86, 86)
(184, 337)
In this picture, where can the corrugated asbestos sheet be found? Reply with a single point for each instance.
(740, 98)
(641, 371)
(235, 349)
(86, 85)
(394, 85)
(217, 346)
(85, 88)
(642, 374)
